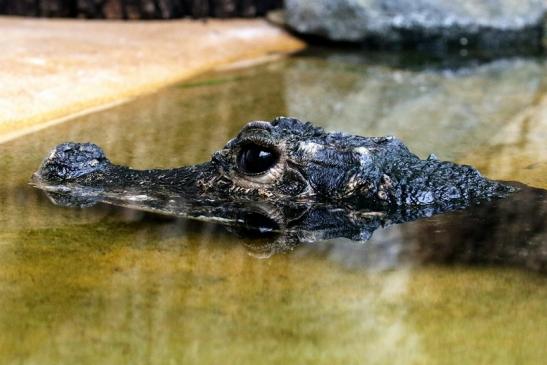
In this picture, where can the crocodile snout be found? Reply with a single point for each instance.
(68, 161)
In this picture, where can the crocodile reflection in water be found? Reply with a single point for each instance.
(511, 231)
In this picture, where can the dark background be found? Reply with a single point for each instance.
(138, 9)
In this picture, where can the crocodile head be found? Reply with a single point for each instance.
(287, 159)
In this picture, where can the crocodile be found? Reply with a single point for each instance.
(286, 160)
(284, 183)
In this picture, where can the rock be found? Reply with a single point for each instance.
(464, 23)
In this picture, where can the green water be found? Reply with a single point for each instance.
(109, 285)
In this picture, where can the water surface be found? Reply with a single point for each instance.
(112, 285)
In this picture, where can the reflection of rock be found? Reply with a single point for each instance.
(434, 110)
(467, 23)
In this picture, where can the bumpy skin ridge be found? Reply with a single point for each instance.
(371, 172)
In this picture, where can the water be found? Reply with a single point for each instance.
(114, 285)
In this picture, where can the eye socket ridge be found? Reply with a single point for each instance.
(256, 159)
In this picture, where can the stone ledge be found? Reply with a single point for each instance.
(54, 68)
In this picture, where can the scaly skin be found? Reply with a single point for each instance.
(311, 165)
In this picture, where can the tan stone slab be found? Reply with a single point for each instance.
(50, 69)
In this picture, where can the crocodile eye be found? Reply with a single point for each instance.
(254, 159)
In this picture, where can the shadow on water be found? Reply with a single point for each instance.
(422, 59)
(427, 57)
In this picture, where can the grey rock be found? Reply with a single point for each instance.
(488, 23)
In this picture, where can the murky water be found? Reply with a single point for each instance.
(112, 285)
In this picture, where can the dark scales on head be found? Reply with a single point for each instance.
(302, 181)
